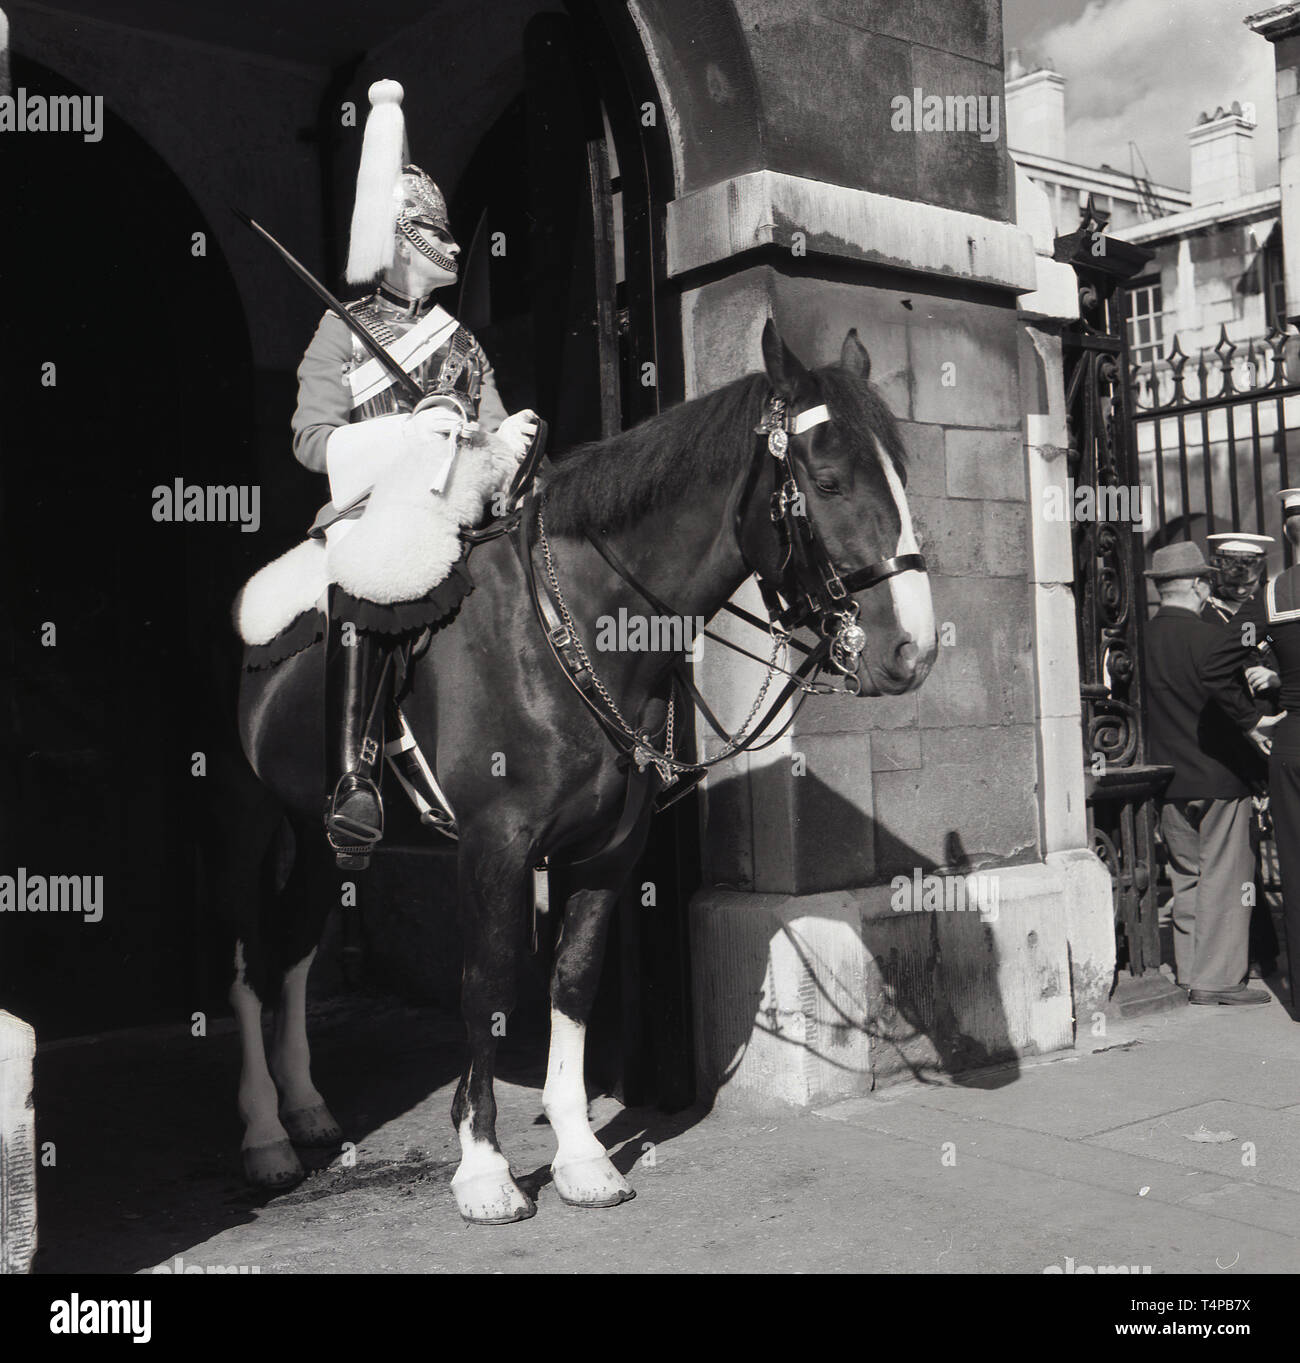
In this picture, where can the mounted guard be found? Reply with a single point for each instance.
(794, 476)
(388, 541)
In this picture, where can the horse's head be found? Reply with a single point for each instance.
(845, 456)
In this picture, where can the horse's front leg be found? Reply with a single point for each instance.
(583, 1173)
(492, 909)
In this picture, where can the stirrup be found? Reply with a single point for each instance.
(339, 827)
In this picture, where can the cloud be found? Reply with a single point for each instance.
(1143, 71)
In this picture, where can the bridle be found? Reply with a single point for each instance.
(819, 593)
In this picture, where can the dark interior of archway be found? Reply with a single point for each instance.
(152, 380)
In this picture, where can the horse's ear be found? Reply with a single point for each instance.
(782, 365)
(854, 357)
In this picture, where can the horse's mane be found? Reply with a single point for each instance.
(612, 483)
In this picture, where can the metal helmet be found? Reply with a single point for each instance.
(420, 204)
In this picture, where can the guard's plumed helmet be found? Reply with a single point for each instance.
(393, 198)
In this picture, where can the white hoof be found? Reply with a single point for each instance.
(492, 1199)
(591, 1183)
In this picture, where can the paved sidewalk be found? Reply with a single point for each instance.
(1173, 1142)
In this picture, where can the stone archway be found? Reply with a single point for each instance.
(150, 381)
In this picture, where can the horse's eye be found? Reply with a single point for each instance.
(828, 485)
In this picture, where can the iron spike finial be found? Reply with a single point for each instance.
(1225, 350)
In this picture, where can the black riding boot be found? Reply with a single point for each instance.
(356, 676)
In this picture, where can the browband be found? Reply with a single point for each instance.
(805, 421)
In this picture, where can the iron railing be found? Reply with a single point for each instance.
(1216, 438)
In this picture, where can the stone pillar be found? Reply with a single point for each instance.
(17, 1146)
(1087, 911)
(897, 886)
(1281, 26)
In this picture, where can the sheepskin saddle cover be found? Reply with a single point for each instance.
(402, 547)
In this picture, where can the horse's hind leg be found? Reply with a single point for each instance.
(492, 904)
(583, 1173)
(302, 1110)
(300, 914)
(268, 1156)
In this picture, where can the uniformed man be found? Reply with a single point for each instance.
(354, 424)
(1239, 560)
(1272, 615)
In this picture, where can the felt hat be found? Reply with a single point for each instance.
(1178, 560)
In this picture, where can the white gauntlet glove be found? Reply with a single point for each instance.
(357, 456)
(517, 431)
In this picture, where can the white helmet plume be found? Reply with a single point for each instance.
(374, 215)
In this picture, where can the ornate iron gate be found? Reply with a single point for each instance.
(1211, 445)
(1211, 439)
(1109, 588)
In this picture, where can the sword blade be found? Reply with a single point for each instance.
(404, 381)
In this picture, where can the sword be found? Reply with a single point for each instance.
(404, 381)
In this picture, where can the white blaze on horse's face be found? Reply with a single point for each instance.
(910, 590)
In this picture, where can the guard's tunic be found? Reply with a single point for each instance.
(1274, 614)
(340, 382)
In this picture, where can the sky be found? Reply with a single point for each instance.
(1143, 70)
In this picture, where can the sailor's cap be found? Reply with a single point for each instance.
(1238, 542)
(1290, 500)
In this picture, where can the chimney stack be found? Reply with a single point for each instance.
(1035, 109)
(1222, 147)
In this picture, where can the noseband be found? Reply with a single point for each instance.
(822, 593)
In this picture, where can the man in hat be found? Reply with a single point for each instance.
(1239, 560)
(354, 424)
(1273, 615)
(1205, 813)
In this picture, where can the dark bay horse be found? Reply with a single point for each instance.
(683, 502)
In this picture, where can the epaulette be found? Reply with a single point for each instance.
(369, 316)
(1282, 596)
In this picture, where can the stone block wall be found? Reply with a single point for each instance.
(807, 89)
(945, 776)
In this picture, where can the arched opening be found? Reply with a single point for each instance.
(127, 366)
